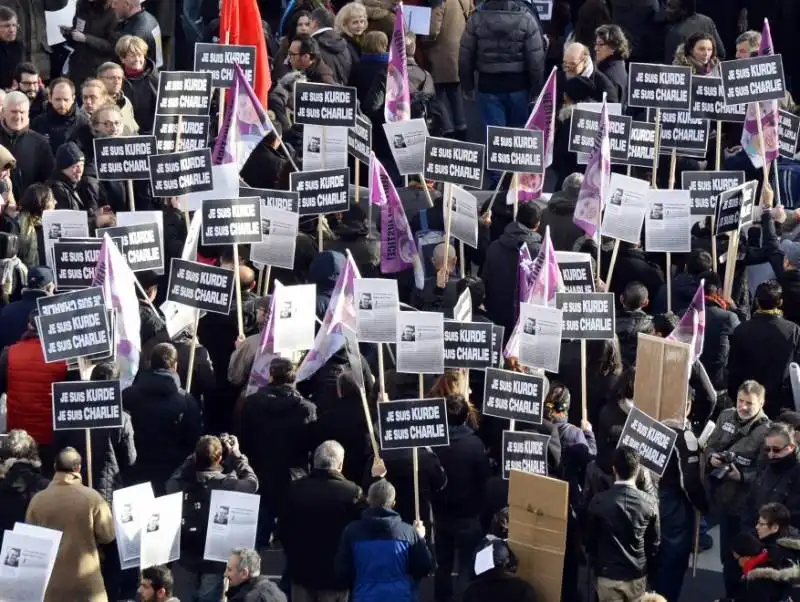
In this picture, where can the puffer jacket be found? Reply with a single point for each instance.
(504, 44)
(380, 15)
(629, 324)
(57, 128)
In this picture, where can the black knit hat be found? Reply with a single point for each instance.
(67, 155)
(580, 89)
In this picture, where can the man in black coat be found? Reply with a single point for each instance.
(318, 508)
(66, 181)
(721, 323)
(559, 211)
(777, 479)
(35, 160)
(61, 115)
(633, 266)
(136, 21)
(763, 347)
(578, 63)
(245, 581)
(684, 284)
(333, 49)
(632, 320)
(789, 278)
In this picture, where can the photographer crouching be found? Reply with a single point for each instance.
(733, 451)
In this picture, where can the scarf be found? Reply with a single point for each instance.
(769, 312)
(8, 267)
(134, 72)
(717, 300)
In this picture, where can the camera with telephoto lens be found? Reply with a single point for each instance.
(228, 443)
(727, 458)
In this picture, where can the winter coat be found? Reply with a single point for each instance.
(21, 479)
(629, 323)
(684, 60)
(324, 272)
(318, 509)
(467, 468)
(684, 287)
(58, 128)
(320, 73)
(96, 21)
(790, 283)
(85, 522)
(334, 52)
(382, 558)
(680, 31)
(419, 80)
(503, 42)
(633, 266)
(255, 589)
(776, 482)
(762, 349)
(635, 17)
(614, 69)
(71, 195)
(113, 453)
(145, 26)
(276, 434)
(166, 425)
(558, 215)
(11, 55)
(264, 167)
(500, 273)
(380, 16)
(368, 77)
(35, 160)
(720, 326)
(441, 46)
(142, 91)
(366, 251)
(32, 30)
(14, 316)
(578, 448)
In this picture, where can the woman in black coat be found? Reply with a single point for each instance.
(611, 50)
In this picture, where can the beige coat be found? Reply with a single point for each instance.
(85, 520)
(441, 46)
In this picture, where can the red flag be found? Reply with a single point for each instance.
(240, 23)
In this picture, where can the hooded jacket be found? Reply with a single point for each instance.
(633, 265)
(57, 128)
(500, 273)
(324, 272)
(684, 287)
(558, 215)
(335, 54)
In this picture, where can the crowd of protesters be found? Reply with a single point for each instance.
(344, 519)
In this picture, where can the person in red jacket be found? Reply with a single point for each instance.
(26, 380)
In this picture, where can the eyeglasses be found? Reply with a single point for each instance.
(768, 449)
(570, 66)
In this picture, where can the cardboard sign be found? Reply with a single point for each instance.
(516, 150)
(585, 125)
(124, 158)
(682, 132)
(176, 174)
(576, 272)
(218, 60)
(705, 186)
(650, 438)
(663, 368)
(73, 325)
(413, 423)
(323, 191)
(204, 287)
(788, 128)
(231, 221)
(142, 244)
(74, 263)
(468, 345)
(194, 133)
(587, 316)
(708, 101)
(320, 104)
(526, 452)
(359, 139)
(183, 93)
(454, 161)
(513, 395)
(735, 208)
(753, 79)
(83, 405)
(274, 199)
(659, 86)
(641, 144)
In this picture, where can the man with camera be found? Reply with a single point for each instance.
(733, 451)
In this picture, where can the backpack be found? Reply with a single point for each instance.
(194, 521)
(426, 106)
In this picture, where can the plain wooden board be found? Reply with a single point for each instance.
(662, 377)
(537, 531)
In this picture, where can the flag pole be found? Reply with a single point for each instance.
(673, 161)
(761, 146)
(192, 351)
(237, 281)
(221, 110)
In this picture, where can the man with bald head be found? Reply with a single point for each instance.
(577, 62)
(85, 521)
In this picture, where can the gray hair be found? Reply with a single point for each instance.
(584, 51)
(329, 455)
(615, 38)
(411, 43)
(249, 560)
(779, 429)
(381, 494)
(753, 39)
(108, 66)
(439, 252)
(20, 445)
(16, 97)
(572, 184)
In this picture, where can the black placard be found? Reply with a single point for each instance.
(124, 158)
(587, 316)
(753, 79)
(516, 150)
(788, 127)
(641, 144)
(709, 103)
(80, 405)
(320, 104)
(680, 131)
(194, 132)
(659, 86)
(704, 188)
(585, 125)
(454, 161)
(73, 325)
(231, 221)
(359, 139)
(497, 344)
(577, 276)
(322, 191)
(468, 345)
(204, 287)
(176, 174)
(411, 423)
(735, 208)
(526, 452)
(183, 93)
(274, 199)
(513, 395)
(218, 60)
(73, 263)
(142, 244)
(650, 438)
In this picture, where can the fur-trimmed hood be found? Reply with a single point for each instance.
(6, 465)
(684, 60)
(789, 574)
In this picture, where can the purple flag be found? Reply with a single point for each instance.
(769, 116)
(589, 207)
(543, 118)
(524, 269)
(245, 124)
(398, 92)
(692, 326)
(259, 373)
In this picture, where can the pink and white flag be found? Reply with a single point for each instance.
(589, 208)
(769, 116)
(398, 92)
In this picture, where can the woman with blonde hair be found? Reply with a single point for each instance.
(455, 382)
(351, 23)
